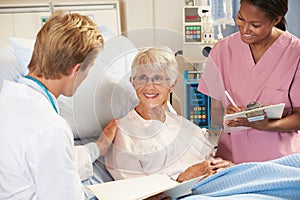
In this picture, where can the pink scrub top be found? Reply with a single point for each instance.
(274, 79)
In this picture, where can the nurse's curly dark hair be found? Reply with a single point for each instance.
(273, 9)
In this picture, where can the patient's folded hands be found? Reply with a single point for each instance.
(206, 168)
(199, 169)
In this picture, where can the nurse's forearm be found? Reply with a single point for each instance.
(289, 123)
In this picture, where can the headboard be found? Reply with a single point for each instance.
(25, 20)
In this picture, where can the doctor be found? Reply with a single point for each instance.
(38, 157)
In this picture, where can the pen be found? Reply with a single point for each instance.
(230, 99)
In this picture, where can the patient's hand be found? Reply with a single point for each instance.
(107, 137)
(206, 168)
(196, 170)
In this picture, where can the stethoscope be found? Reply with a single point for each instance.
(44, 89)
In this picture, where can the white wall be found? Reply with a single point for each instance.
(25, 19)
(153, 22)
(145, 22)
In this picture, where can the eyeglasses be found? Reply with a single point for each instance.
(143, 80)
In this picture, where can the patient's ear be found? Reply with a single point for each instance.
(173, 86)
(131, 81)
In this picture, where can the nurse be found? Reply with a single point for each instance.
(259, 63)
(38, 157)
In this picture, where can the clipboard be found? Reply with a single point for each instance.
(272, 111)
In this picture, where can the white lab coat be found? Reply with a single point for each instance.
(38, 158)
(143, 147)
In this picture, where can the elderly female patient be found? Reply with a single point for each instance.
(151, 140)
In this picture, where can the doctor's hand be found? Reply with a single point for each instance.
(107, 137)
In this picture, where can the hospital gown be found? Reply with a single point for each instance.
(143, 147)
(274, 79)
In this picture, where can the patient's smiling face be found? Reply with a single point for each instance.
(152, 88)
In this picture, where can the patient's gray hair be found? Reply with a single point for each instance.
(158, 58)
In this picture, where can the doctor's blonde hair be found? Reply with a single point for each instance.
(156, 58)
(66, 39)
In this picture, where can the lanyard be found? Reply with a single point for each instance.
(45, 90)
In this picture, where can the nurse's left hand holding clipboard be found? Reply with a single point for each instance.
(259, 125)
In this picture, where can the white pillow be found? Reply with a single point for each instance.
(23, 49)
(105, 94)
(9, 66)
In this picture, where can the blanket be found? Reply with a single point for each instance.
(276, 179)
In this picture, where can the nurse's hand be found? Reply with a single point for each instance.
(232, 109)
(259, 125)
(219, 164)
(107, 137)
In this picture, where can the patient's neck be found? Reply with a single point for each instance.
(157, 112)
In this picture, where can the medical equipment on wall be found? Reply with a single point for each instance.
(196, 104)
(198, 34)
(199, 38)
